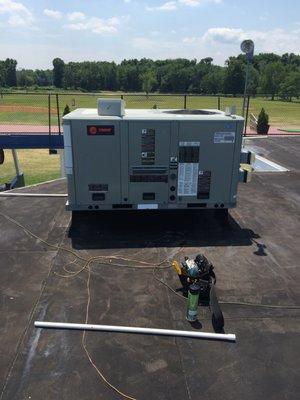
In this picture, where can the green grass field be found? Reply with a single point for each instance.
(28, 109)
(37, 165)
(33, 109)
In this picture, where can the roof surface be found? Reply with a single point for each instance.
(152, 114)
(256, 260)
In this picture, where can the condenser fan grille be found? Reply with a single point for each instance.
(190, 112)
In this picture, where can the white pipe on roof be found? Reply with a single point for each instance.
(4, 194)
(129, 329)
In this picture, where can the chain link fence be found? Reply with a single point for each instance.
(42, 112)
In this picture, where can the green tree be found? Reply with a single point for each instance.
(290, 59)
(43, 77)
(66, 110)
(25, 77)
(263, 122)
(290, 87)
(2, 73)
(207, 60)
(72, 75)
(213, 82)
(234, 81)
(149, 81)
(263, 59)
(271, 78)
(11, 73)
(129, 76)
(177, 75)
(58, 72)
(268, 73)
(253, 81)
(200, 70)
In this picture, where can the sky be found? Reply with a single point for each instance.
(34, 32)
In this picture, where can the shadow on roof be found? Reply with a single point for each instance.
(137, 229)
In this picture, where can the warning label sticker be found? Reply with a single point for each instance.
(188, 168)
(187, 179)
(224, 137)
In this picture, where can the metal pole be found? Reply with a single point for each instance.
(247, 113)
(16, 161)
(58, 115)
(184, 102)
(245, 88)
(219, 103)
(128, 329)
(49, 118)
(62, 163)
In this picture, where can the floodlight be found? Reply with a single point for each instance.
(247, 46)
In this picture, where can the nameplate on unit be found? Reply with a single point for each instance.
(224, 137)
(96, 130)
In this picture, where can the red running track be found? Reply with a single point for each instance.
(6, 128)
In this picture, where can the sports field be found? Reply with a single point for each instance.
(37, 165)
(32, 109)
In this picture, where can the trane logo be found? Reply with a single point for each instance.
(94, 130)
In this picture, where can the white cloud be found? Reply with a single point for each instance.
(16, 20)
(127, 1)
(96, 25)
(168, 6)
(76, 16)
(18, 14)
(52, 13)
(224, 35)
(196, 3)
(275, 40)
(174, 5)
(9, 6)
(190, 40)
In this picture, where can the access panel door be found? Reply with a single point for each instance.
(206, 151)
(149, 149)
(96, 158)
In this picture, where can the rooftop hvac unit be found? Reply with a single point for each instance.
(152, 159)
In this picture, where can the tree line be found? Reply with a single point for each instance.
(269, 73)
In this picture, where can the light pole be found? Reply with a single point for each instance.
(247, 47)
